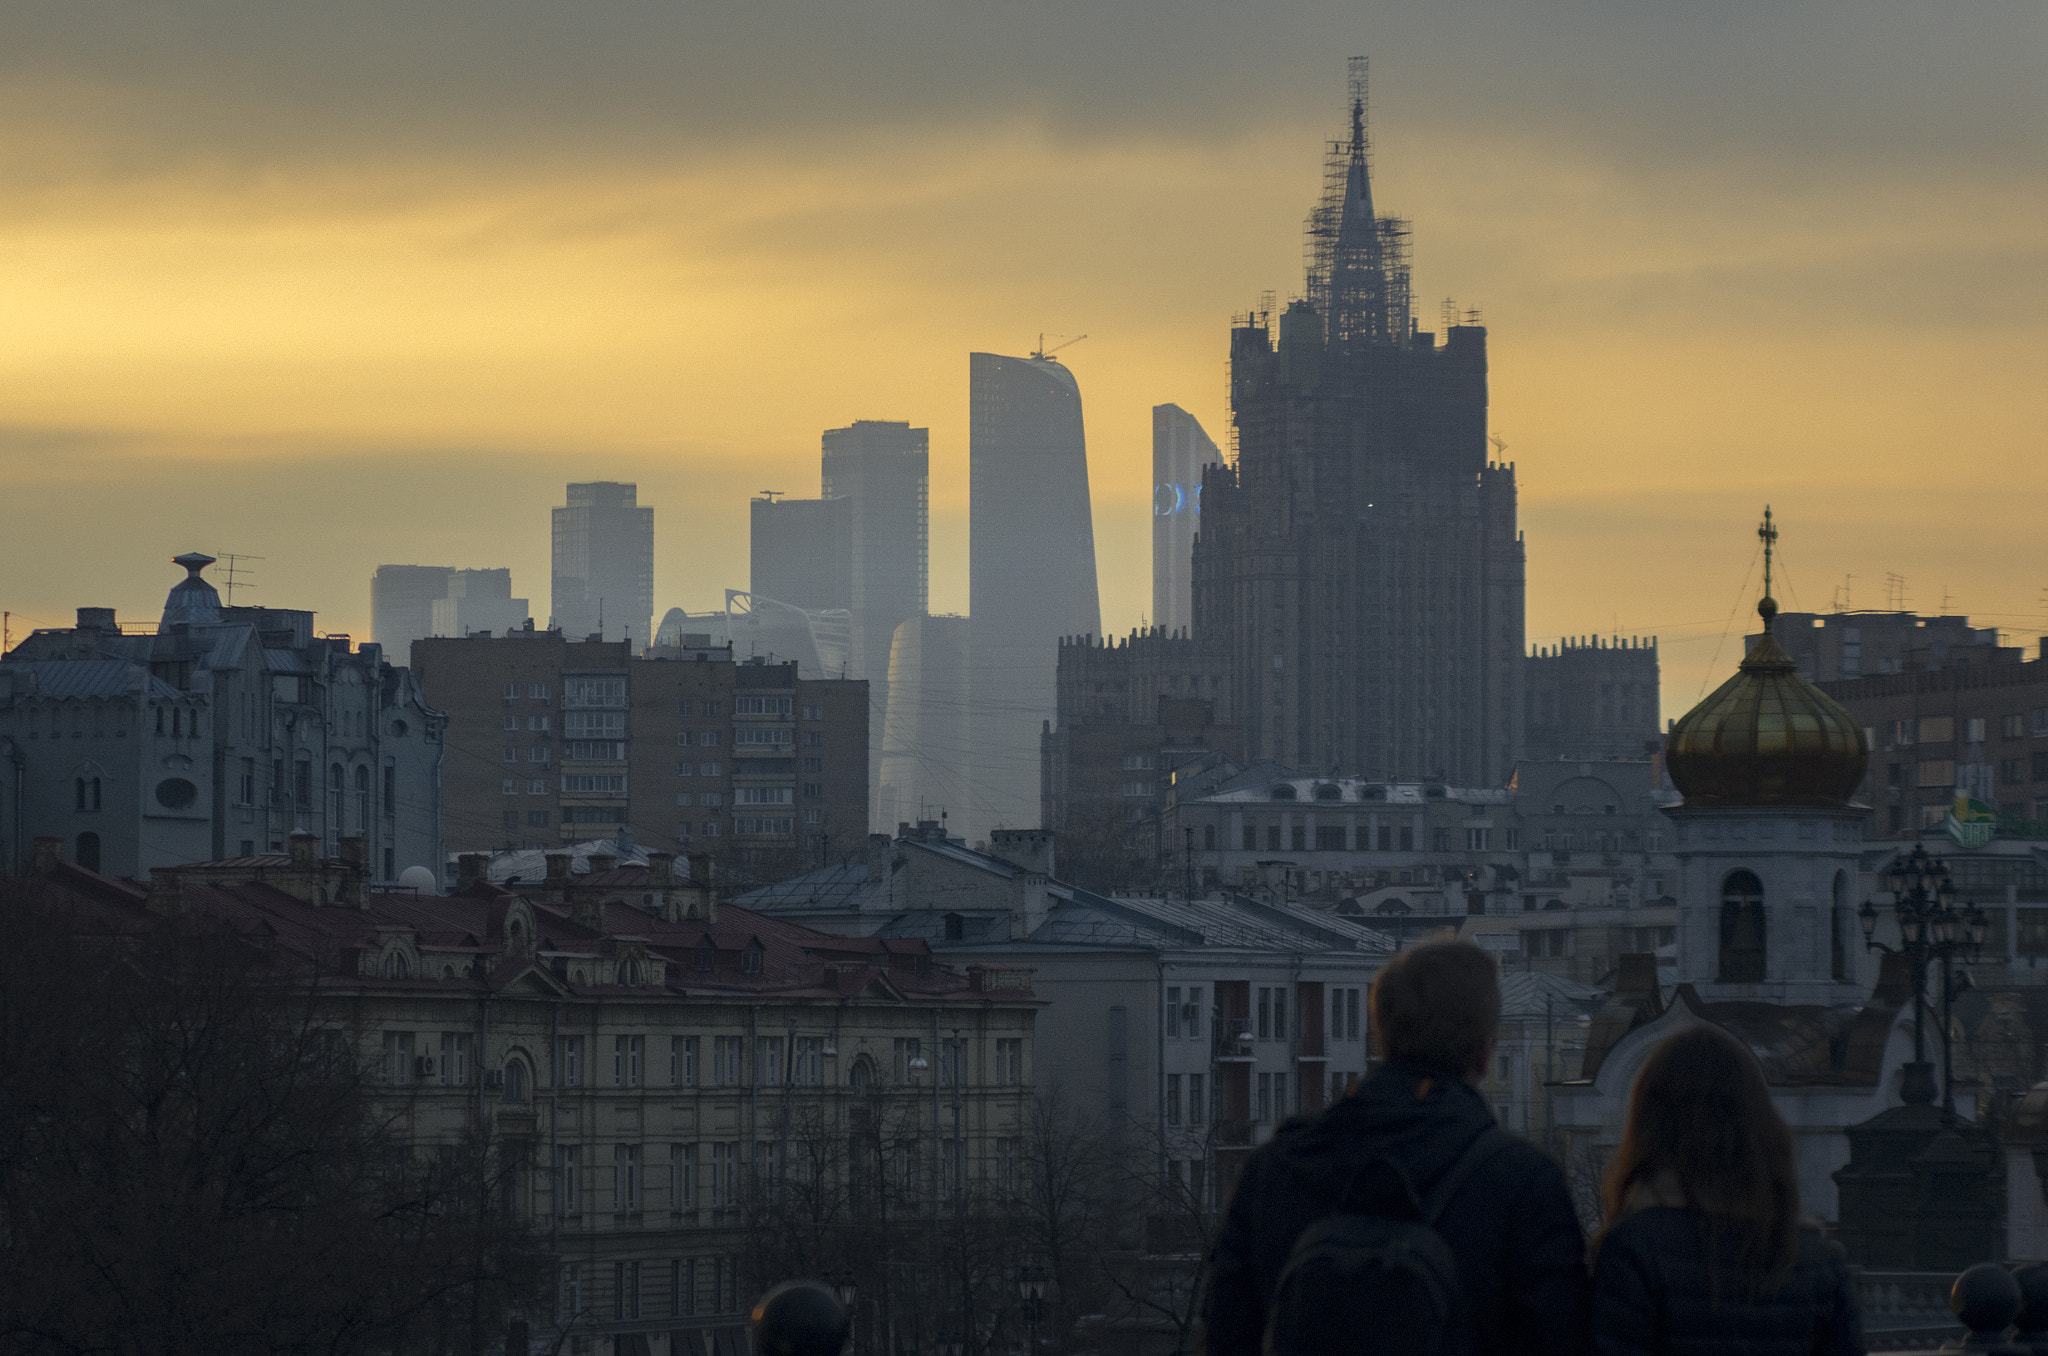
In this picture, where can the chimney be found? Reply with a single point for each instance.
(355, 852)
(304, 858)
(700, 869)
(48, 854)
(558, 868)
(601, 862)
(470, 868)
(661, 870)
(96, 619)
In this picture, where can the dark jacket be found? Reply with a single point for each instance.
(1510, 1225)
(1652, 1294)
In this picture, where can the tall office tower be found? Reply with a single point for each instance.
(1031, 570)
(882, 467)
(1360, 564)
(604, 564)
(1180, 449)
(800, 552)
(925, 732)
(402, 599)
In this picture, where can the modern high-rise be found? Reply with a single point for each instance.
(925, 731)
(1031, 570)
(1180, 449)
(882, 469)
(604, 564)
(1360, 565)
(800, 552)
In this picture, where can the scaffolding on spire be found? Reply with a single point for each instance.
(1356, 260)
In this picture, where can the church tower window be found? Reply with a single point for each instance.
(1742, 929)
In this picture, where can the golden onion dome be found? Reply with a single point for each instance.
(1767, 737)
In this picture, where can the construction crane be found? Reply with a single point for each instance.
(1042, 352)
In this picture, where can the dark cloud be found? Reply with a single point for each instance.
(1896, 79)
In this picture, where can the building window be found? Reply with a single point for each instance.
(85, 851)
(1742, 929)
(1198, 1106)
(1010, 1060)
(625, 1178)
(627, 1052)
(1273, 1014)
(682, 1177)
(1173, 1099)
(568, 1061)
(725, 1061)
(682, 1061)
(454, 1066)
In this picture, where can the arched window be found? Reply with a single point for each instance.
(1329, 791)
(862, 1075)
(1283, 792)
(394, 965)
(516, 1081)
(86, 851)
(1742, 929)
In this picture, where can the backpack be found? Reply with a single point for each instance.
(1376, 1278)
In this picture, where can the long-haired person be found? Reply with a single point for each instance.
(1703, 1251)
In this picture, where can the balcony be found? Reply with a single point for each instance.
(1232, 1039)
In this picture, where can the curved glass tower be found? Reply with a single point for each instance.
(1031, 570)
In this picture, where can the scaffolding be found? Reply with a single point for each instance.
(1355, 260)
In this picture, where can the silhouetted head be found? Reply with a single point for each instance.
(1701, 1125)
(1438, 1005)
(800, 1318)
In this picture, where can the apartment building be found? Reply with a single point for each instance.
(651, 1072)
(553, 741)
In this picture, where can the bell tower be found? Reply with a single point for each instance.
(1769, 839)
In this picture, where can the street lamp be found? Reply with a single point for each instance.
(1931, 927)
(845, 1289)
(1031, 1289)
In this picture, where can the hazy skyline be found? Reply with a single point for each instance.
(355, 287)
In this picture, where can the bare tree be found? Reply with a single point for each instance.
(191, 1160)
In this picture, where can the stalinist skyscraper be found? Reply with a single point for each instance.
(1360, 563)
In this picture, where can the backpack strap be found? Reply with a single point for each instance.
(1488, 1142)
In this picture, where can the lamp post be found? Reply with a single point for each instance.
(846, 1292)
(1031, 1289)
(1932, 926)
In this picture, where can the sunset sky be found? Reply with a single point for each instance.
(349, 284)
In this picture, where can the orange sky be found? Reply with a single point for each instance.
(391, 331)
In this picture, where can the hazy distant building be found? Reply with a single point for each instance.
(220, 734)
(1360, 566)
(1031, 570)
(1831, 646)
(554, 741)
(412, 602)
(402, 599)
(479, 600)
(604, 563)
(925, 734)
(1589, 698)
(882, 468)
(1180, 449)
(818, 640)
(800, 552)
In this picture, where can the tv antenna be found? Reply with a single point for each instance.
(1042, 352)
(769, 495)
(1500, 446)
(234, 566)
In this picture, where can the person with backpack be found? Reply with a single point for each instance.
(1703, 1251)
(1402, 1221)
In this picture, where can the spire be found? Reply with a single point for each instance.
(1359, 222)
(1767, 606)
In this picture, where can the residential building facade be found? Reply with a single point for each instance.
(217, 732)
(555, 741)
(1589, 697)
(656, 1077)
